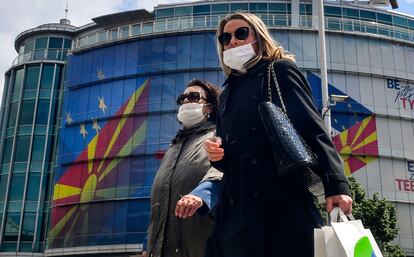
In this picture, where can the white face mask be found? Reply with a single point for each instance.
(190, 114)
(236, 57)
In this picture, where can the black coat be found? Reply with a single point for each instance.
(261, 214)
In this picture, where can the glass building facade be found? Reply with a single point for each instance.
(118, 114)
(30, 112)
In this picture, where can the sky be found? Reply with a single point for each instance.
(19, 15)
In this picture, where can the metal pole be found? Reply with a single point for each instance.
(324, 72)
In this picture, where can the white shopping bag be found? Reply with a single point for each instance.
(347, 238)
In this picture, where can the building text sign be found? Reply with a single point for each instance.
(407, 185)
(405, 93)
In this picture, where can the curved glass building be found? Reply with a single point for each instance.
(30, 112)
(118, 114)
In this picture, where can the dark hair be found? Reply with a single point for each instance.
(212, 94)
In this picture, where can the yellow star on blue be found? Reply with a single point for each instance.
(83, 131)
(102, 104)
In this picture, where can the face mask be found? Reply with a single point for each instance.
(236, 57)
(190, 114)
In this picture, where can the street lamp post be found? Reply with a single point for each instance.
(324, 73)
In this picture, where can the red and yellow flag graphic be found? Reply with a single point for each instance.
(93, 175)
(358, 144)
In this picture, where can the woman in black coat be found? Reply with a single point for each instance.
(260, 213)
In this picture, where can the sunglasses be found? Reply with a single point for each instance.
(192, 97)
(240, 34)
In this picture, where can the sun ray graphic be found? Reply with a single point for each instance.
(89, 178)
(358, 145)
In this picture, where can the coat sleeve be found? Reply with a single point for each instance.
(308, 122)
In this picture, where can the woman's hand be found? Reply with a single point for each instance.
(213, 149)
(187, 206)
(342, 201)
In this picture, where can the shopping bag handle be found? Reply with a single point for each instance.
(337, 215)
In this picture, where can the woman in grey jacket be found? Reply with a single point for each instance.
(184, 166)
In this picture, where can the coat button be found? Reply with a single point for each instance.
(226, 137)
(253, 161)
(253, 96)
(253, 129)
(231, 201)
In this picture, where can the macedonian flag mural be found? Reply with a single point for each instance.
(354, 126)
(83, 211)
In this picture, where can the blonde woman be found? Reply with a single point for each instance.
(261, 213)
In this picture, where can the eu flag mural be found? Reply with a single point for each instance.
(83, 208)
(355, 127)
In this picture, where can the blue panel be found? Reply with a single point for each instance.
(157, 52)
(144, 56)
(82, 112)
(116, 96)
(93, 102)
(184, 52)
(197, 50)
(170, 53)
(108, 62)
(155, 94)
(168, 93)
(97, 64)
(210, 51)
(120, 54)
(77, 69)
(106, 95)
(131, 58)
(86, 73)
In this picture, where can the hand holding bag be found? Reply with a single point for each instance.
(346, 238)
(290, 151)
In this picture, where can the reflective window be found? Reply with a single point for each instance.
(12, 114)
(236, 7)
(27, 111)
(183, 11)
(201, 9)
(331, 11)
(32, 193)
(47, 76)
(29, 45)
(258, 7)
(57, 76)
(350, 13)
(55, 42)
(384, 18)
(18, 81)
(367, 15)
(22, 148)
(41, 43)
(220, 8)
(165, 13)
(42, 112)
(16, 186)
(305, 9)
(277, 8)
(12, 226)
(400, 21)
(3, 186)
(411, 24)
(67, 43)
(38, 148)
(7, 150)
(29, 220)
(32, 77)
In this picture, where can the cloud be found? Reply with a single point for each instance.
(21, 15)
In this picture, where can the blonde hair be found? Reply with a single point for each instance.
(268, 48)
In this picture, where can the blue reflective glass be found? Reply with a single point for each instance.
(201, 9)
(367, 15)
(400, 21)
(305, 9)
(279, 8)
(55, 42)
(27, 112)
(164, 13)
(119, 65)
(3, 186)
(350, 13)
(131, 58)
(41, 43)
(29, 45)
(384, 18)
(411, 24)
(47, 76)
(22, 149)
(38, 148)
(67, 43)
(32, 77)
(57, 77)
(183, 11)
(258, 7)
(12, 226)
(220, 8)
(236, 7)
(12, 115)
(7, 150)
(29, 220)
(332, 11)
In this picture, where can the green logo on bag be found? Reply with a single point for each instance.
(363, 248)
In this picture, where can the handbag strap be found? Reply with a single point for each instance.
(271, 73)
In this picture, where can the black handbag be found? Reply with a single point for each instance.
(291, 153)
